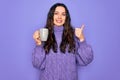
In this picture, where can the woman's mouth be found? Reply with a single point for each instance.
(59, 21)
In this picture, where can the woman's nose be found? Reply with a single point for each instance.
(59, 16)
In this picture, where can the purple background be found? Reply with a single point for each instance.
(20, 18)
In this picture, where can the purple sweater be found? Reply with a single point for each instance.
(59, 66)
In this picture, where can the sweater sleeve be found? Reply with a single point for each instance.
(84, 53)
(38, 57)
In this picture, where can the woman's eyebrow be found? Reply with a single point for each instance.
(59, 11)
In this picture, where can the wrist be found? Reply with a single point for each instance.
(38, 43)
(82, 39)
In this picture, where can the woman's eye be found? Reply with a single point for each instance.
(64, 14)
(55, 13)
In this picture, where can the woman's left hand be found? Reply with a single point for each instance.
(79, 33)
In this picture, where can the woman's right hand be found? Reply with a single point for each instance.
(36, 37)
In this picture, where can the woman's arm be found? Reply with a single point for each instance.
(38, 57)
(84, 53)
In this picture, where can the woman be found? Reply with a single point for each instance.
(65, 48)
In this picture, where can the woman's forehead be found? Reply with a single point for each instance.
(60, 9)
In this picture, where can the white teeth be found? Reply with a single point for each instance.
(59, 21)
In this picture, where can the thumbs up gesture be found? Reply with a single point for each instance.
(79, 33)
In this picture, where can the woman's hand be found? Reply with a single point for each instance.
(79, 33)
(36, 37)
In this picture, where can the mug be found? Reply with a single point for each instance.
(43, 34)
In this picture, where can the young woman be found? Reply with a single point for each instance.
(65, 48)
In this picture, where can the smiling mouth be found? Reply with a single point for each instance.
(59, 21)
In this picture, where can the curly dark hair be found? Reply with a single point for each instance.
(67, 35)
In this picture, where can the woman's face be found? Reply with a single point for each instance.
(59, 16)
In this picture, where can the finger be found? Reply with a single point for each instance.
(36, 34)
(37, 40)
(82, 27)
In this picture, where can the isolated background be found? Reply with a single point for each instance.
(20, 18)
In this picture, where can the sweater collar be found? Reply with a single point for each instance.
(58, 28)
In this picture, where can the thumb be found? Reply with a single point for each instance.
(82, 27)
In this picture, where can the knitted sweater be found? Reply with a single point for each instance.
(60, 66)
